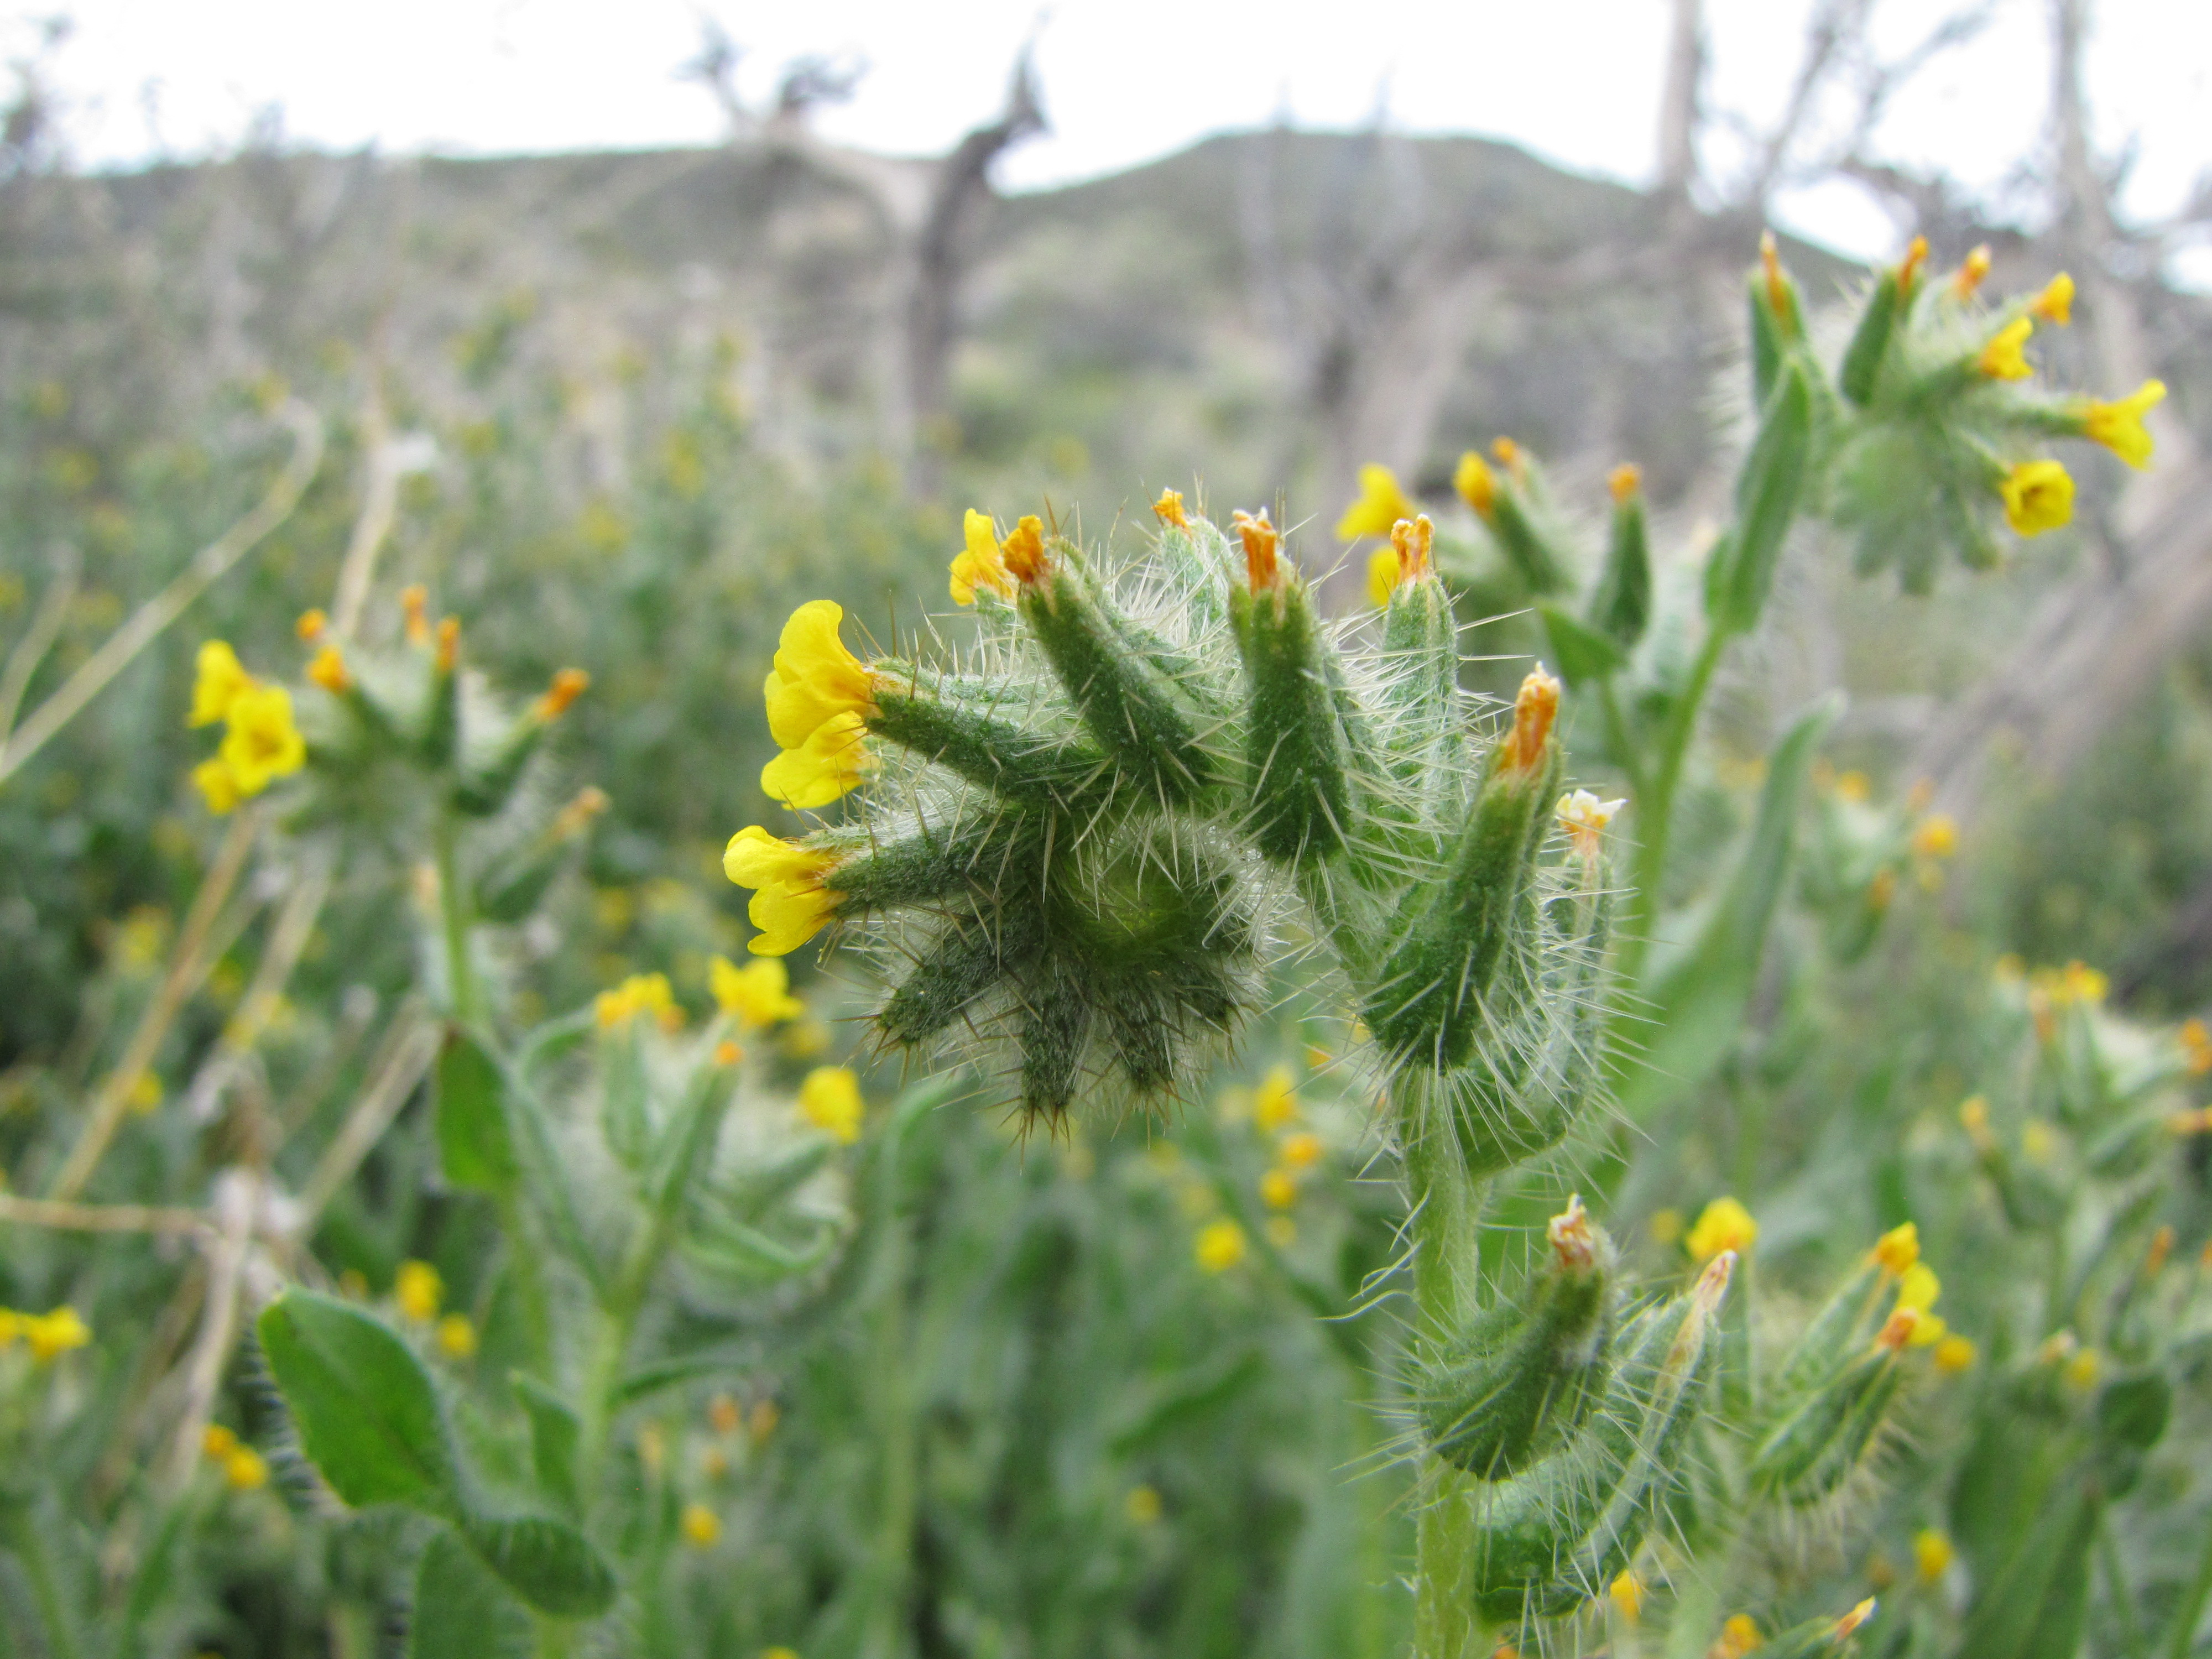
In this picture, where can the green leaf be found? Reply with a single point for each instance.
(554, 1431)
(548, 1563)
(1742, 573)
(476, 1147)
(1694, 1005)
(367, 1416)
(462, 1612)
(1583, 653)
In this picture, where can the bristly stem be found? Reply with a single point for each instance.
(464, 995)
(1654, 807)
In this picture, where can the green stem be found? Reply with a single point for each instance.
(2115, 1589)
(465, 995)
(2181, 1634)
(1618, 739)
(883, 1628)
(28, 1540)
(1654, 808)
(1447, 1271)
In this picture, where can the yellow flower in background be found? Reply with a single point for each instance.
(213, 779)
(1931, 1554)
(702, 1528)
(1301, 1151)
(219, 679)
(1739, 1636)
(1384, 572)
(457, 1336)
(1220, 1246)
(2056, 303)
(329, 671)
(1476, 483)
(217, 1441)
(1665, 1227)
(418, 1291)
(2119, 426)
(1723, 1224)
(1169, 509)
(261, 744)
(832, 761)
(312, 626)
(979, 565)
(2196, 1042)
(790, 905)
(1381, 504)
(1626, 1594)
(244, 1469)
(1972, 272)
(1899, 1249)
(1918, 1288)
(1954, 1354)
(1935, 837)
(1142, 1505)
(815, 677)
(145, 1093)
(1278, 1190)
(641, 994)
(2039, 496)
(2083, 1369)
(2001, 359)
(49, 1335)
(1275, 1102)
(830, 1099)
(758, 994)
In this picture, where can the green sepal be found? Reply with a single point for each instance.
(1456, 930)
(1526, 548)
(974, 954)
(1621, 604)
(1773, 335)
(1066, 771)
(476, 1147)
(1140, 715)
(1299, 798)
(441, 715)
(481, 790)
(973, 851)
(1420, 641)
(512, 887)
(1740, 572)
(1582, 652)
(1816, 1638)
(1520, 1378)
(1838, 1333)
(1860, 374)
(1806, 1455)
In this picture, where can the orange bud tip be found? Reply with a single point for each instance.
(1712, 1283)
(1511, 457)
(568, 684)
(1972, 271)
(1411, 539)
(1626, 479)
(1770, 261)
(1533, 710)
(1571, 1238)
(1023, 552)
(1897, 1330)
(1908, 269)
(1260, 538)
(449, 644)
(414, 601)
(1858, 1615)
(329, 671)
(312, 625)
(571, 820)
(1169, 509)
(728, 1053)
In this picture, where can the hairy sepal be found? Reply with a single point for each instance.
(1299, 799)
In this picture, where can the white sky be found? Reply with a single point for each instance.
(1124, 81)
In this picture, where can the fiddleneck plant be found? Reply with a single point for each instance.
(1084, 844)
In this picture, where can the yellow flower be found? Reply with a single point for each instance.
(312, 626)
(2039, 496)
(2001, 359)
(724, 1415)
(1954, 1354)
(758, 994)
(1384, 574)
(418, 1290)
(457, 1336)
(2056, 303)
(1739, 1636)
(221, 678)
(702, 1528)
(1931, 1554)
(1972, 272)
(1278, 1190)
(1282, 1232)
(1023, 549)
(1626, 1594)
(1275, 1103)
(1623, 481)
(49, 1334)
(1899, 1249)
(1584, 818)
(815, 677)
(2196, 1046)
(218, 1441)
(1918, 1288)
(1382, 503)
(2081, 1369)
(1935, 837)
(979, 565)
(1476, 483)
(1142, 1505)
(2119, 427)
(1723, 1224)
(1301, 1151)
(2082, 983)
(830, 1099)
(641, 994)
(789, 905)
(1220, 1246)
(1169, 509)
(244, 1469)
(260, 743)
(831, 762)
(328, 670)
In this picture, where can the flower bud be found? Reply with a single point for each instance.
(1299, 799)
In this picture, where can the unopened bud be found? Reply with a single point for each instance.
(328, 670)
(568, 684)
(1526, 746)
(1511, 457)
(1577, 1246)
(1411, 538)
(1623, 481)
(1908, 269)
(1476, 483)
(449, 644)
(1260, 538)
(414, 602)
(1023, 552)
(312, 625)
(1972, 270)
(1169, 509)
(571, 820)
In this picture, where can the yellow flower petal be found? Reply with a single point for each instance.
(2001, 359)
(2119, 426)
(219, 679)
(832, 761)
(2039, 496)
(1476, 483)
(1381, 504)
(1220, 1246)
(815, 677)
(418, 1290)
(260, 743)
(789, 905)
(830, 1099)
(978, 564)
(1918, 1288)
(758, 994)
(2056, 303)
(49, 1334)
(212, 778)
(1383, 571)
(1899, 1249)
(1724, 1224)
